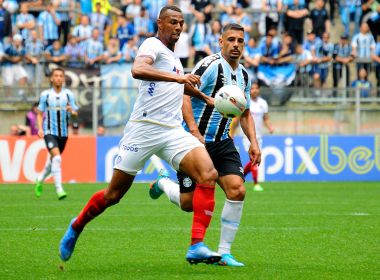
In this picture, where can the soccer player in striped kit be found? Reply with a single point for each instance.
(209, 126)
(57, 103)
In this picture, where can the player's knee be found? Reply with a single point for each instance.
(236, 193)
(208, 177)
(187, 206)
(56, 162)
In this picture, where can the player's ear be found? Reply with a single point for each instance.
(220, 42)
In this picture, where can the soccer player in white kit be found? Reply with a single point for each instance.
(259, 112)
(155, 127)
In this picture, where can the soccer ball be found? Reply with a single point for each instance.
(230, 101)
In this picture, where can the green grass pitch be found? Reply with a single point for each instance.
(289, 231)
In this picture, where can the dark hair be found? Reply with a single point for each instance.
(232, 26)
(169, 7)
(57, 69)
(35, 104)
(255, 82)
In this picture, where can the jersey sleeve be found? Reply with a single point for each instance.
(148, 48)
(71, 101)
(42, 102)
(247, 93)
(265, 105)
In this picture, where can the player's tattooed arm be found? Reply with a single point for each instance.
(188, 117)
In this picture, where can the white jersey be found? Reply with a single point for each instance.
(159, 102)
(258, 108)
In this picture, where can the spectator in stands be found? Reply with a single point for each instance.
(106, 7)
(1, 51)
(362, 84)
(25, 22)
(153, 7)
(342, 57)
(129, 50)
(226, 6)
(363, 45)
(93, 52)
(48, 22)
(112, 53)
(5, 24)
(376, 58)
(198, 34)
(287, 50)
(257, 20)
(270, 15)
(100, 21)
(74, 52)
(320, 18)
(83, 31)
(323, 58)
(304, 61)
(312, 43)
(204, 7)
(133, 9)
(182, 47)
(85, 7)
(66, 16)
(31, 119)
(350, 10)
(374, 18)
(55, 53)
(75, 128)
(125, 4)
(125, 30)
(19, 130)
(269, 49)
(295, 15)
(252, 56)
(212, 39)
(34, 49)
(240, 17)
(12, 69)
(144, 27)
(36, 5)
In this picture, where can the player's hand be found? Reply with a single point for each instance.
(271, 130)
(190, 79)
(198, 135)
(254, 153)
(69, 109)
(40, 133)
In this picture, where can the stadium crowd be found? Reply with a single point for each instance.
(87, 33)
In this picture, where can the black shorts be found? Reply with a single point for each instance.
(53, 141)
(226, 160)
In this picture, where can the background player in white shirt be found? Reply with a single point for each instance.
(259, 112)
(155, 128)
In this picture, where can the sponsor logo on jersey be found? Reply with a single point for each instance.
(118, 160)
(208, 213)
(132, 148)
(151, 88)
(176, 70)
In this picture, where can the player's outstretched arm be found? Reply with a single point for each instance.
(248, 126)
(194, 92)
(142, 69)
(188, 117)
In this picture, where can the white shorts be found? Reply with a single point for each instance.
(12, 74)
(141, 140)
(246, 143)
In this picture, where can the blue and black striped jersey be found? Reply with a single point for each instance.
(215, 72)
(54, 105)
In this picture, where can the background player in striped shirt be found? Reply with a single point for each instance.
(209, 126)
(54, 109)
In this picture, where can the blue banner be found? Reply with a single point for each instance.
(277, 75)
(119, 92)
(284, 158)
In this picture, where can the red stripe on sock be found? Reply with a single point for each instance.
(94, 207)
(203, 206)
